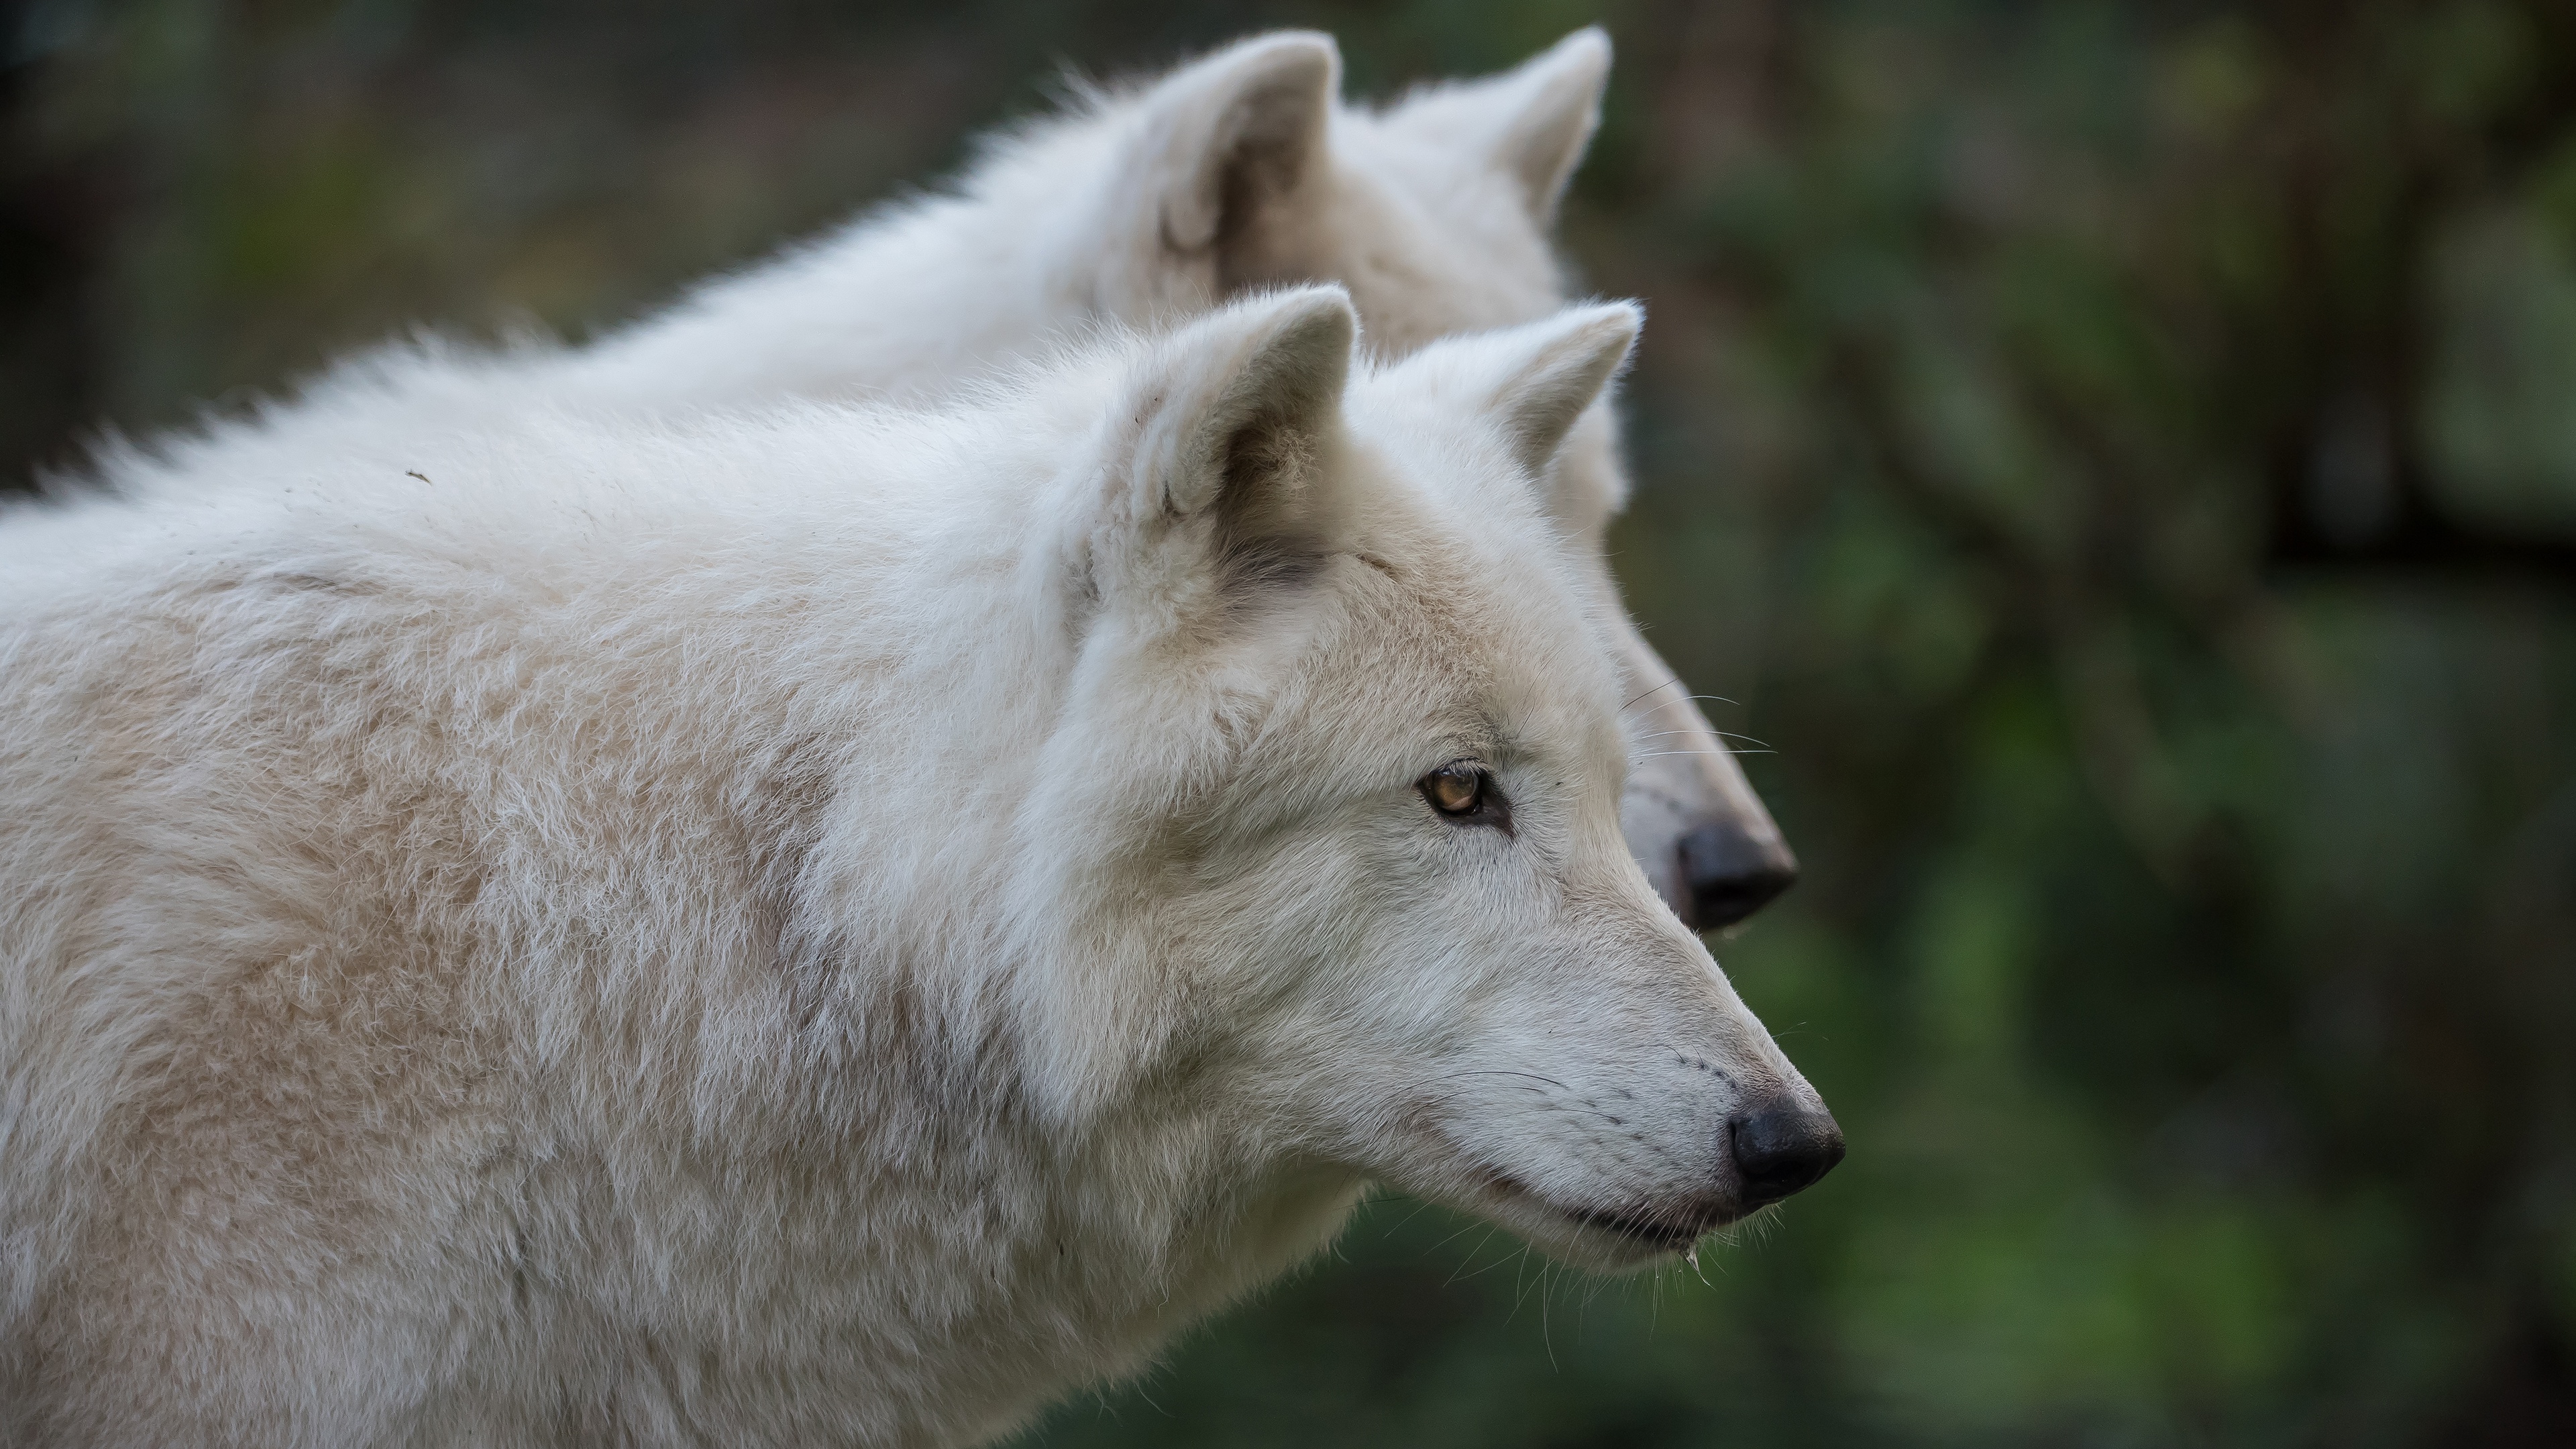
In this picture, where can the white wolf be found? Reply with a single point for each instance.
(1241, 171)
(582, 949)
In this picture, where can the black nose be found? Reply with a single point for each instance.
(1729, 874)
(1781, 1152)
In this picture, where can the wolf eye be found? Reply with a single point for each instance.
(1461, 790)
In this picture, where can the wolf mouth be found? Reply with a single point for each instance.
(1648, 1227)
(1667, 1232)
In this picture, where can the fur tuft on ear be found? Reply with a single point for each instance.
(1247, 397)
(1243, 127)
(1232, 419)
(1572, 356)
(1224, 148)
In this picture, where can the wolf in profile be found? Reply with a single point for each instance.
(586, 950)
(1241, 171)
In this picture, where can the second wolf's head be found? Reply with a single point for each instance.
(1244, 170)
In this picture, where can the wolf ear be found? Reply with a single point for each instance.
(1554, 106)
(1227, 139)
(1532, 122)
(1219, 476)
(1555, 372)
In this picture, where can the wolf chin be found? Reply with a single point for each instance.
(1143, 206)
(832, 927)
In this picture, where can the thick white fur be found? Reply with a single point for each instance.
(825, 928)
(1240, 171)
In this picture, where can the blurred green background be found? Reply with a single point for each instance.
(2121, 457)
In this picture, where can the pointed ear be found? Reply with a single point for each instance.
(1556, 373)
(1559, 107)
(1229, 425)
(1532, 122)
(1228, 138)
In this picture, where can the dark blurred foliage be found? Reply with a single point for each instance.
(2122, 457)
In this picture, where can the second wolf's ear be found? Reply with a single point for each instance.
(1559, 96)
(1225, 140)
(1217, 480)
(1532, 122)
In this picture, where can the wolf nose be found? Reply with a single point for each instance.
(1728, 873)
(1780, 1152)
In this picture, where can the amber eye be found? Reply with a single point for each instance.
(1455, 789)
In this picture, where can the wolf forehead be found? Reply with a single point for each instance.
(1437, 653)
(1447, 622)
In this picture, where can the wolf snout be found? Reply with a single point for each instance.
(1727, 873)
(1783, 1150)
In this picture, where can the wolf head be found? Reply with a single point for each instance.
(1349, 760)
(1244, 171)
